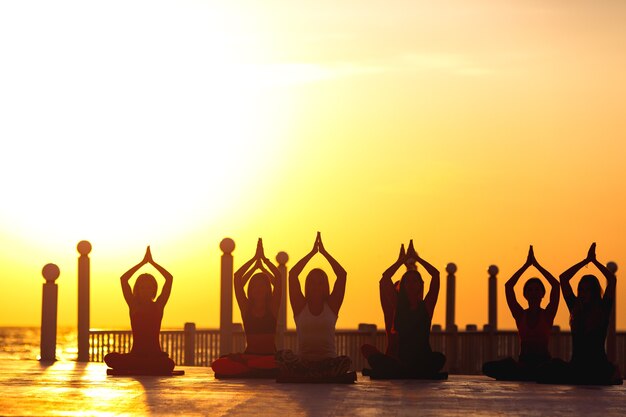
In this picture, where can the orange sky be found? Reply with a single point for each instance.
(475, 130)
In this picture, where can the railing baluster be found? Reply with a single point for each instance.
(472, 345)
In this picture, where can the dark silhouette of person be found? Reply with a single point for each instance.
(146, 314)
(534, 325)
(315, 313)
(589, 321)
(259, 311)
(408, 315)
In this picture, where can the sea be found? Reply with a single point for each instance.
(22, 343)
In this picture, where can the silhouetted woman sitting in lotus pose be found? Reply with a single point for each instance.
(589, 321)
(408, 316)
(259, 310)
(534, 325)
(388, 302)
(315, 314)
(145, 320)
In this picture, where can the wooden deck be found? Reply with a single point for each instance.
(77, 389)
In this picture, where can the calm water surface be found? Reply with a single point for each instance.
(22, 343)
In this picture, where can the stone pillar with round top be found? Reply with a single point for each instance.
(281, 326)
(84, 248)
(451, 327)
(450, 297)
(611, 347)
(49, 303)
(493, 298)
(227, 245)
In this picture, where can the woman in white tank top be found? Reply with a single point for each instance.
(316, 333)
(315, 313)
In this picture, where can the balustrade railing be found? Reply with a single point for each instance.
(465, 351)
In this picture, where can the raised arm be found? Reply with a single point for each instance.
(276, 280)
(126, 290)
(433, 290)
(339, 289)
(167, 287)
(240, 278)
(295, 291)
(273, 273)
(611, 280)
(388, 296)
(243, 274)
(411, 258)
(555, 294)
(509, 287)
(565, 278)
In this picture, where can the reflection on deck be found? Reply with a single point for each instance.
(78, 389)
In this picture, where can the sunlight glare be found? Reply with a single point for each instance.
(133, 131)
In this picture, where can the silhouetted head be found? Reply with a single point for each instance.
(534, 291)
(412, 285)
(589, 289)
(259, 288)
(145, 288)
(316, 287)
(411, 288)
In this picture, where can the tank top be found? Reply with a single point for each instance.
(265, 324)
(316, 334)
(534, 340)
(146, 325)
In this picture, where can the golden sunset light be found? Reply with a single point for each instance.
(474, 128)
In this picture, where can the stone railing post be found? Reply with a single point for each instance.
(451, 327)
(281, 326)
(227, 245)
(190, 344)
(450, 297)
(49, 303)
(371, 330)
(492, 325)
(611, 346)
(83, 247)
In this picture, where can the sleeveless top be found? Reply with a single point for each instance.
(146, 325)
(534, 340)
(316, 334)
(260, 333)
(414, 335)
(265, 324)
